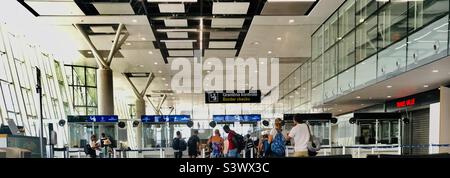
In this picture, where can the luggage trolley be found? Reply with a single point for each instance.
(377, 133)
(81, 128)
(158, 132)
(320, 125)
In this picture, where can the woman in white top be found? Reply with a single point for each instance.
(300, 134)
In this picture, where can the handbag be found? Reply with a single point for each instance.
(313, 143)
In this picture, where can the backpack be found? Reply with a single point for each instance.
(240, 143)
(87, 149)
(182, 145)
(278, 146)
(192, 143)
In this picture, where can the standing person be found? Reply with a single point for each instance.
(277, 140)
(264, 147)
(235, 142)
(193, 145)
(216, 144)
(300, 134)
(249, 147)
(94, 146)
(178, 145)
(105, 144)
(225, 147)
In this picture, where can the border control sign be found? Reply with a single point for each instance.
(243, 96)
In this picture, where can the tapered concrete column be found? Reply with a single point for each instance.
(140, 110)
(105, 92)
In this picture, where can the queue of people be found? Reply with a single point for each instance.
(99, 147)
(271, 145)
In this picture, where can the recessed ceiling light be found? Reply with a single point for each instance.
(209, 63)
(255, 43)
(389, 96)
(89, 52)
(167, 84)
(256, 71)
(155, 63)
(389, 86)
(269, 52)
(426, 86)
(291, 96)
(358, 97)
(370, 98)
(159, 71)
(362, 104)
(291, 20)
(143, 39)
(361, 20)
(171, 94)
(150, 52)
(173, 98)
(134, 20)
(208, 71)
(279, 38)
(163, 78)
(340, 110)
(262, 62)
(128, 44)
(435, 71)
(141, 65)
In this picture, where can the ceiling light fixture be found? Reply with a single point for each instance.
(426, 86)
(269, 52)
(389, 86)
(143, 39)
(134, 21)
(389, 96)
(150, 52)
(358, 97)
(279, 38)
(159, 71)
(89, 52)
(163, 78)
(128, 44)
(291, 20)
(155, 63)
(141, 66)
(167, 84)
(435, 71)
(255, 43)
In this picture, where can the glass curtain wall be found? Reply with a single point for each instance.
(367, 41)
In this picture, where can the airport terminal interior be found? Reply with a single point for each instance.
(367, 77)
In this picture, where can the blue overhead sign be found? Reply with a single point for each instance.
(165, 118)
(93, 118)
(237, 118)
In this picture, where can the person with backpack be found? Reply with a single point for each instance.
(277, 140)
(178, 145)
(216, 144)
(300, 134)
(235, 142)
(193, 145)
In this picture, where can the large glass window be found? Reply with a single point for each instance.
(424, 12)
(330, 31)
(366, 38)
(346, 81)
(83, 88)
(346, 18)
(347, 52)
(392, 23)
(317, 72)
(330, 63)
(365, 8)
(366, 72)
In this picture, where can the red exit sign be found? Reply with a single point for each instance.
(406, 103)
